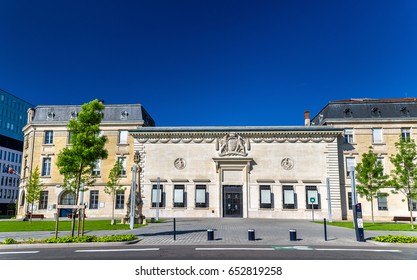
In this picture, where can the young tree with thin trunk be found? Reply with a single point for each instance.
(112, 186)
(33, 189)
(371, 178)
(404, 175)
(76, 162)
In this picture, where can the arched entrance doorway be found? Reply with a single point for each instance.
(67, 198)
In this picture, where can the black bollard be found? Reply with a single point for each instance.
(251, 234)
(175, 230)
(210, 234)
(293, 235)
(325, 230)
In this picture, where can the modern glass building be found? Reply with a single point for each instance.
(13, 117)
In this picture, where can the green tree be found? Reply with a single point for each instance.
(77, 161)
(371, 178)
(112, 186)
(34, 188)
(404, 175)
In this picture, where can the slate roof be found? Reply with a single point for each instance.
(365, 108)
(124, 113)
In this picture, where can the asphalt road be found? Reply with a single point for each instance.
(193, 252)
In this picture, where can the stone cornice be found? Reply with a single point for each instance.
(198, 135)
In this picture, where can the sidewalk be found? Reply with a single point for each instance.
(231, 231)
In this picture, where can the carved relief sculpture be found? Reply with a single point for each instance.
(232, 145)
(179, 163)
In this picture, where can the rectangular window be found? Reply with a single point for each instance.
(49, 137)
(382, 201)
(312, 197)
(350, 163)
(158, 196)
(289, 197)
(122, 160)
(120, 199)
(348, 135)
(123, 136)
(46, 167)
(93, 199)
(377, 135)
(97, 168)
(405, 134)
(179, 196)
(200, 196)
(43, 201)
(265, 196)
(382, 161)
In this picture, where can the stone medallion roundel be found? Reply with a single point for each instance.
(179, 163)
(287, 163)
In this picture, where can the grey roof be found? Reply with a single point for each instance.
(226, 129)
(396, 108)
(125, 113)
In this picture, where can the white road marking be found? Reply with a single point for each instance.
(359, 250)
(19, 252)
(234, 249)
(116, 250)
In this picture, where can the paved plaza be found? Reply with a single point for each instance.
(230, 231)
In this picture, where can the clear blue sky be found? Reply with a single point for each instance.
(209, 62)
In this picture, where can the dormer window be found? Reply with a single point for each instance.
(348, 113)
(74, 115)
(375, 112)
(50, 116)
(124, 115)
(405, 112)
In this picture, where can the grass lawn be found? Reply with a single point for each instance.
(376, 226)
(36, 225)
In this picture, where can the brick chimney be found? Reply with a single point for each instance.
(307, 118)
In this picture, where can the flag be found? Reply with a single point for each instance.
(11, 170)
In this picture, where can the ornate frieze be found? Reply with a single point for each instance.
(222, 140)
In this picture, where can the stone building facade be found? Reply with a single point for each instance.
(249, 172)
(288, 172)
(371, 122)
(46, 135)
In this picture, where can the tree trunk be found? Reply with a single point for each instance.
(372, 209)
(112, 210)
(410, 206)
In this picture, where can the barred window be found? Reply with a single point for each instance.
(158, 197)
(265, 196)
(289, 197)
(312, 197)
(200, 196)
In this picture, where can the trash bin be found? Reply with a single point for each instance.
(293, 235)
(251, 234)
(210, 234)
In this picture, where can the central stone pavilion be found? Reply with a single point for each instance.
(249, 172)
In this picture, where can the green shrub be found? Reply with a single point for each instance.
(89, 238)
(10, 241)
(117, 238)
(396, 239)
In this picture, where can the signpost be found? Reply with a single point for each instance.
(357, 209)
(312, 200)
